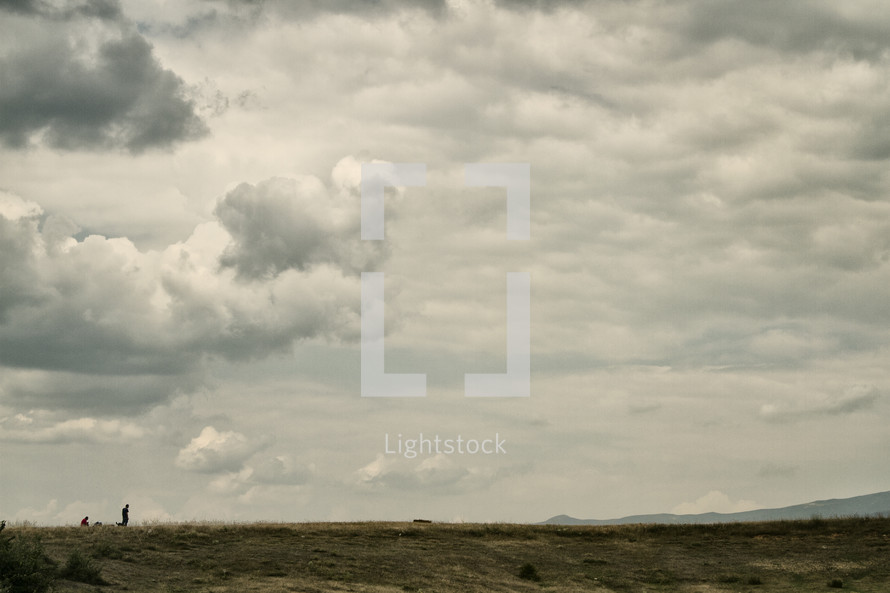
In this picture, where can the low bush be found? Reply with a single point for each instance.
(528, 572)
(24, 566)
(81, 569)
(106, 550)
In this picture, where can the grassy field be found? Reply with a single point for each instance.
(813, 555)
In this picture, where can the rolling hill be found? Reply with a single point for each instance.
(868, 505)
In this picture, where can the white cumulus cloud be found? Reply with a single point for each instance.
(213, 451)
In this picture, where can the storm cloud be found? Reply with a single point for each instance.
(283, 224)
(86, 80)
(98, 324)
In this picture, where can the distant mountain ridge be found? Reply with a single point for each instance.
(863, 506)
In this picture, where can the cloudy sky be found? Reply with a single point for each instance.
(181, 256)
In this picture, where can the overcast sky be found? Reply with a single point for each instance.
(181, 256)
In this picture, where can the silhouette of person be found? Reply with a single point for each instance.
(125, 515)
(85, 522)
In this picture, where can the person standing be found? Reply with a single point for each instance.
(125, 515)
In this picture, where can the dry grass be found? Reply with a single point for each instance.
(389, 557)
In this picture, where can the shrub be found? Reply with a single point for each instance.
(528, 572)
(836, 584)
(81, 569)
(24, 566)
(106, 550)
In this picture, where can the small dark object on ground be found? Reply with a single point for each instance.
(529, 572)
(422, 521)
(836, 584)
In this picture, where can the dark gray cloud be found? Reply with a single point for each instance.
(283, 224)
(103, 9)
(16, 245)
(871, 141)
(21, 6)
(360, 7)
(543, 5)
(76, 328)
(100, 395)
(95, 324)
(790, 26)
(70, 320)
(207, 15)
(74, 89)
